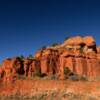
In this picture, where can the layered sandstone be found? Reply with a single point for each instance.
(79, 54)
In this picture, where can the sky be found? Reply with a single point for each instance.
(27, 25)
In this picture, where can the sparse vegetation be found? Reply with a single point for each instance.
(30, 56)
(66, 70)
(43, 48)
(22, 77)
(83, 78)
(66, 38)
(74, 77)
(96, 78)
(52, 95)
(21, 57)
(54, 44)
(54, 77)
(37, 73)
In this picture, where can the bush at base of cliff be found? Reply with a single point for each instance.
(54, 77)
(21, 57)
(38, 73)
(96, 79)
(54, 44)
(74, 77)
(83, 78)
(22, 77)
(67, 72)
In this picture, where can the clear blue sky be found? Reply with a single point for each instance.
(27, 25)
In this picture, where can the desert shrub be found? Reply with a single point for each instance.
(43, 75)
(38, 73)
(74, 77)
(66, 70)
(43, 48)
(54, 77)
(83, 78)
(66, 38)
(30, 56)
(22, 77)
(21, 57)
(96, 78)
(54, 44)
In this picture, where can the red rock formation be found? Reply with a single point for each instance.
(49, 61)
(27, 63)
(11, 69)
(34, 68)
(79, 54)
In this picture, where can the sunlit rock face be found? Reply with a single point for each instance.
(79, 54)
(11, 68)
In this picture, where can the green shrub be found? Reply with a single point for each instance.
(30, 56)
(66, 70)
(21, 57)
(66, 38)
(38, 73)
(54, 77)
(43, 48)
(83, 78)
(96, 78)
(74, 77)
(54, 44)
(22, 77)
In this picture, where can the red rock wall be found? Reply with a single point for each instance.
(82, 57)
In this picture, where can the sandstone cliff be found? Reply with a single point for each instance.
(79, 54)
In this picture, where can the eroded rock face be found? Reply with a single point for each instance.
(49, 61)
(79, 54)
(34, 68)
(27, 64)
(11, 68)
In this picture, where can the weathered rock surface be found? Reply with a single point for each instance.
(79, 54)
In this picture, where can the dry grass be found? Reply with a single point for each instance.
(52, 95)
(51, 90)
